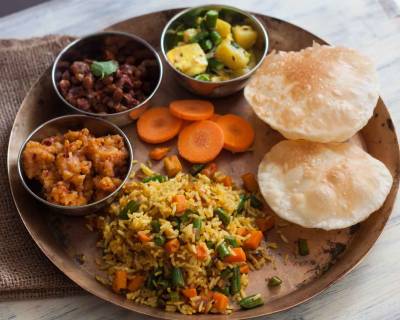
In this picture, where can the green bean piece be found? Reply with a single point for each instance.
(197, 223)
(200, 36)
(203, 77)
(156, 177)
(232, 241)
(171, 39)
(206, 45)
(215, 65)
(151, 282)
(223, 251)
(132, 206)
(162, 284)
(255, 202)
(159, 240)
(242, 201)
(177, 278)
(223, 216)
(224, 290)
(235, 281)
(190, 18)
(174, 296)
(211, 18)
(251, 302)
(215, 37)
(155, 226)
(195, 169)
(303, 247)
(210, 244)
(179, 36)
(176, 223)
(274, 281)
(226, 273)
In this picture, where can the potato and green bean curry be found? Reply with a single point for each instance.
(205, 46)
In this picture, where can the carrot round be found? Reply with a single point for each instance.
(193, 110)
(158, 125)
(201, 141)
(215, 117)
(238, 133)
(172, 246)
(254, 240)
(238, 255)
(120, 280)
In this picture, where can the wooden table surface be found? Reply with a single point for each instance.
(372, 290)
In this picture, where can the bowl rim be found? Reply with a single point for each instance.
(242, 12)
(91, 204)
(105, 33)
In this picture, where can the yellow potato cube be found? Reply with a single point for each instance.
(232, 56)
(189, 59)
(245, 36)
(223, 28)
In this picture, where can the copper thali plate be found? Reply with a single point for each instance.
(333, 254)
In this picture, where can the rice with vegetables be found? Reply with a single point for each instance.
(184, 243)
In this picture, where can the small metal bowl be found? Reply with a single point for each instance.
(90, 45)
(60, 125)
(221, 88)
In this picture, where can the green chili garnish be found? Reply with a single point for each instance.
(215, 65)
(195, 169)
(235, 281)
(132, 206)
(156, 177)
(223, 216)
(177, 278)
(159, 240)
(303, 247)
(274, 281)
(203, 77)
(223, 251)
(251, 302)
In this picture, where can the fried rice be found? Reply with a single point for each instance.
(135, 232)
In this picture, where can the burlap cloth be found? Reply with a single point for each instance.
(25, 272)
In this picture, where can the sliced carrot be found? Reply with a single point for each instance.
(159, 153)
(210, 169)
(215, 116)
(120, 280)
(158, 125)
(254, 240)
(189, 292)
(244, 268)
(201, 251)
(265, 224)
(242, 231)
(238, 133)
(221, 301)
(200, 142)
(193, 110)
(250, 182)
(143, 236)
(238, 255)
(180, 202)
(172, 246)
(136, 282)
(227, 181)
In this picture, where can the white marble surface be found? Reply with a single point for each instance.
(372, 290)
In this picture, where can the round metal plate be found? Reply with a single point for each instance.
(62, 238)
